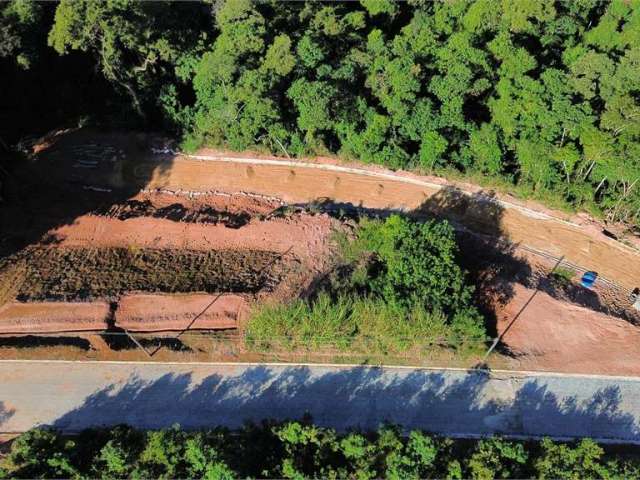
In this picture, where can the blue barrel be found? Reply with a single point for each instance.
(588, 279)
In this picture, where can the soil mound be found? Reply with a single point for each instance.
(148, 313)
(47, 317)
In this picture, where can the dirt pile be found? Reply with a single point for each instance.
(148, 313)
(303, 235)
(46, 317)
(233, 211)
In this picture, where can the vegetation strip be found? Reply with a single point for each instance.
(302, 450)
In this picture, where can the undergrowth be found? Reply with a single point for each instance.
(359, 325)
(397, 287)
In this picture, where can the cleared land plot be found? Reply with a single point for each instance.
(551, 334)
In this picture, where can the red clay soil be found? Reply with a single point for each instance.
(149, 313)
(47, 317)
(303, 235)
(554, 335)
(578, 241)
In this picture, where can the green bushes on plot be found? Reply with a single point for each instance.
(400, 289)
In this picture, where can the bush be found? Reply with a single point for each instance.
(563, 276)
(417, 264)
(399, 289)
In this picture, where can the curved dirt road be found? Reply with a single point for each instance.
(72, 396)
(375, 188)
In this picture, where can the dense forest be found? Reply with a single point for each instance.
(540, 96)
(302, 450)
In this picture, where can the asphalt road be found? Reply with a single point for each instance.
(72, 396)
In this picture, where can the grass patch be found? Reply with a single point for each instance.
(397, 288)
(563, 276)
(360, 325)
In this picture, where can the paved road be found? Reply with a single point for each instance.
(72, 396)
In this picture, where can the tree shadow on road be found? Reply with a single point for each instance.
(457, 403)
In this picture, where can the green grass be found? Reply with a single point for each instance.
(359, 325)
(563, 276)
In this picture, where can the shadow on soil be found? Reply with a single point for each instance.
(32, 341)
(72, 177)
(118, 340)
(363, 398)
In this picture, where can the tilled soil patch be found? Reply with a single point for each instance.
(72, 274)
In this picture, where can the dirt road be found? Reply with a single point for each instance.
(72, 396)
(551, 232)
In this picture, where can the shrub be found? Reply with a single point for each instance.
(399, 289)
(417, 264)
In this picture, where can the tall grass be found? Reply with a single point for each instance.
(358, 324)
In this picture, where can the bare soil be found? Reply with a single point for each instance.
(554, 335)
(303, 235)
(46, 317)
(148, 313)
